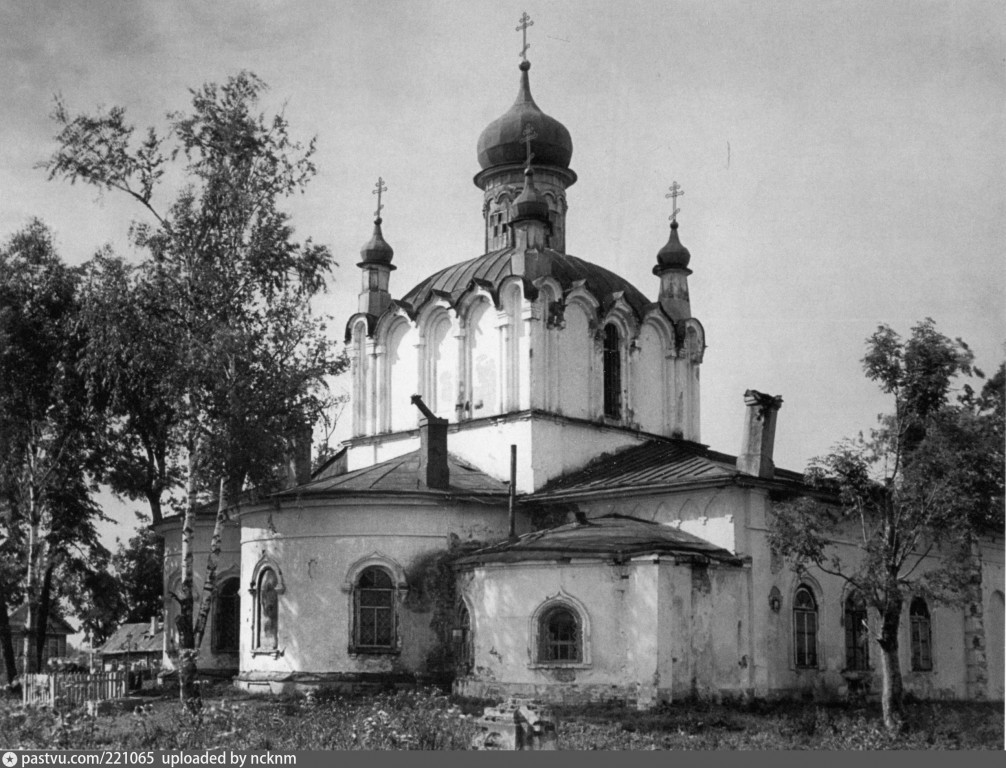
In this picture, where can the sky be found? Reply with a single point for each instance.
(842, 162)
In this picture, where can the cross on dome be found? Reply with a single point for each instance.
(674, 194)
(529, 134)
(379, 187)
(525, 22)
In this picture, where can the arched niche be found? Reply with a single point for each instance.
(575, 356)
(484, 357)
(402, 379)
(441, 350)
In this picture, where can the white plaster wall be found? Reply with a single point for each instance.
(656, 631)
(713, 514)
(773, 633)
(560, 447)
(314, 544)
(502, 601)
(546, 447)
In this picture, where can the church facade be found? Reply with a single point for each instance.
(538, 416)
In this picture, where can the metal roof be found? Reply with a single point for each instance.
(493, 267)
(618, 536)
(652, 463)
(401, 475)
(134, 638)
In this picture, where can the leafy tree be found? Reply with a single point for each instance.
(923, 486)
(237, 365)
(139, 566)
(100, 604)
(48, 446)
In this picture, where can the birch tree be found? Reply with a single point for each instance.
(242, 357)
(49, 449)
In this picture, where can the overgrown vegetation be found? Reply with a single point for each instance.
(433, 588)
(430, 720)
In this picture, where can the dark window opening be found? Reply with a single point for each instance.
(560, 636)
(612, 364)
(921, 628)
(227, 618)
(857, 635)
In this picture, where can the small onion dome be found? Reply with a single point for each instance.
(529, 204)
(673, 255)
(376, 251)
(502, 142)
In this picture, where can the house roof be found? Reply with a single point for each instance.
(400, 475)
(134, 638)
(57, 625)
(654, 464)
(619, 536)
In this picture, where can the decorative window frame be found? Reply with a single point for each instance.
(266, 562)
(816, 592)
(560, 599)
(401, 589)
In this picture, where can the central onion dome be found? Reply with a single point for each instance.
(502, 142)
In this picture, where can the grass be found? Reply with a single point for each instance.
(428, 719)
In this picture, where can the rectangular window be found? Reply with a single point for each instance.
(922, 652)
(806, 639)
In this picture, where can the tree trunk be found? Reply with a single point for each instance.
(209, 582)
(6, 641)
(28, 646)
(187, 651)
(44, 607)
(892, 693)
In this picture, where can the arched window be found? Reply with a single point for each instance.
(857, 636)
(267, 610)
(921, 635)
(464, 649)
(227, 617)
(374, 612)
(805, 628)
(560, 638)
(612, 363)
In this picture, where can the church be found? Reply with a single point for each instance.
(537, 417)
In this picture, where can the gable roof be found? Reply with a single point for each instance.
(655, 464)
(401, 475)
(56, 625)
(619, 536)
(134, 638)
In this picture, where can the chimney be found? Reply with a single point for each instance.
(759, 434)
(153, 626)
(433, 472)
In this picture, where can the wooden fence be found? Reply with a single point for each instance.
(72, 689)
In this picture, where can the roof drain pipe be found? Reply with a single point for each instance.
(512, 505)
